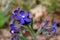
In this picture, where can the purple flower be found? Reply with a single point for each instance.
(14, 31)
(23, 17)
(54, 27)
(16, 11)
(14, 38)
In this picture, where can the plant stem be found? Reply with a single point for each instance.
(32, 34)
(39, 31)
(31, 31)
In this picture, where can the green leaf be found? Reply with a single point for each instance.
(3, 19)
(31, 24)
(39, 31)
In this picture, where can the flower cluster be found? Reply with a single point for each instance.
(21, 17)
(47, 28)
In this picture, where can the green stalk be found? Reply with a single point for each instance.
(39, 31)
(32, 33)
(31, 30)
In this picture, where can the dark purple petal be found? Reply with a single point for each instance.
(54, 24)
(22, 12)
(54, 27)
(27, 14)
(15, 12)
(27, 19)
(23, 16)
(22, 21)
(11, 25)
(18, 17)
(54, 30)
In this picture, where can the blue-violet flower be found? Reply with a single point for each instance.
(23, 17)
(14, 31)
(54, 27)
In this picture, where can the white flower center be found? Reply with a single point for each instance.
(23, 16)
(12, 31)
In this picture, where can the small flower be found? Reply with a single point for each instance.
(16, 12)
(54, 27)
(14, 31)
(23, 17)
(15, 25)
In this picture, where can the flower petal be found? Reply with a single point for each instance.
(18, 17)
(22, 12)
(54, 30)
(27, 19)
(22, 21)
(14, 38)
(11, 25)
(54, 27)
(54, 24)
(15, 12)
(27, 14)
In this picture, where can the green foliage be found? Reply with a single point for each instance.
(0, 5)
(21, 37)
(26, 4)
(3, 19)
(51, 5)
